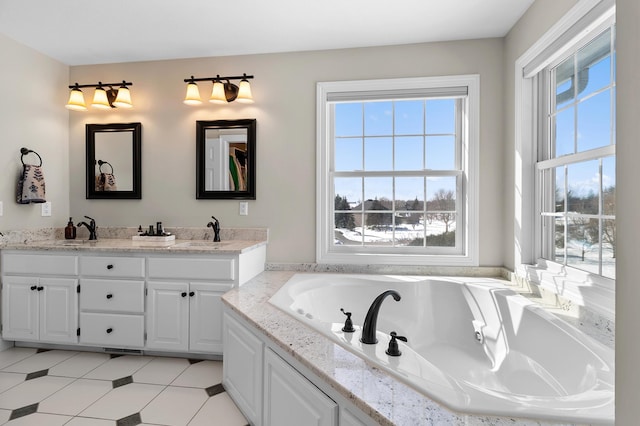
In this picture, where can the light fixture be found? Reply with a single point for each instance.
(102, 98)
(223, 90)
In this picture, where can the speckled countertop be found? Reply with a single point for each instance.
(385, 399)
(129, 246)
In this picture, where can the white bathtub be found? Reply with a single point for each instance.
(473, 344)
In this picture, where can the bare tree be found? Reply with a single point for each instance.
(442, 207)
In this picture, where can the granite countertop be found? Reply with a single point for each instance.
(130, 246)
(385, 399)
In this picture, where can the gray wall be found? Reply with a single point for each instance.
(32, 115)
(284, 90)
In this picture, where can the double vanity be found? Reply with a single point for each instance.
(119, 295)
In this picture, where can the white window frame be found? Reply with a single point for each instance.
(325, 252)
(581, 287)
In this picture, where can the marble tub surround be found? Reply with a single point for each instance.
(467, 271)
(386, 400)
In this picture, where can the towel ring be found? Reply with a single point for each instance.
(25, 151)
(100, 163)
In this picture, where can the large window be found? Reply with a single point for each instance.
(394, 170)
(576, 157)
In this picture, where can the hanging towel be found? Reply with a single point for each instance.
(31, 187)
(108, 181)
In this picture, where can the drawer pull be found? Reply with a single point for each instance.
(191, 294)
(184, 294)
(34, 287)
(109, 330)
(109, 266)
(40, 288)
(109, 296)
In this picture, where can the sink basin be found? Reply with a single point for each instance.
(207, 244)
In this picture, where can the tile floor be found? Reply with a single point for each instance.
(54, 387)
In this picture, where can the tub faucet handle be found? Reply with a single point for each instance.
(348, 324)
(393, 350)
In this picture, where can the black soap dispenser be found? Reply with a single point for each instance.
(70, 231)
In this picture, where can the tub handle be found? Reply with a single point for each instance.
(348, 324)
(393, 350)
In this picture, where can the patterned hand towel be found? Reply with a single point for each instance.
(31, 187)
(108, 182)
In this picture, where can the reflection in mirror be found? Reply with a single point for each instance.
(225, 159)
(113, 160)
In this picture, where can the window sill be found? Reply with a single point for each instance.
(397, 259)
(593, 292)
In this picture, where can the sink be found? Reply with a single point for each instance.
(205, 244)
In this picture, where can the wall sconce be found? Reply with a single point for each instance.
(223, 90)
(102, 98)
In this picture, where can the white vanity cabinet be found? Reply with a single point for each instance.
(39, 299)
(112, 301)
(184, 308)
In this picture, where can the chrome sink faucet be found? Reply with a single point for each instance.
(370, 321)
(91, 226)
(216, 228)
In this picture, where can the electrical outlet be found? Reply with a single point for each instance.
(1, 209)
(244, 208)
(46, 208)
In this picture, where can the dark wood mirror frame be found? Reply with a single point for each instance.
(201, 129)
(136, 152)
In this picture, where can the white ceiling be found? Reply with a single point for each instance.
(79, 32)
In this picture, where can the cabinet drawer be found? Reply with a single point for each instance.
(112, 330)
(107, 266)
(39, 264)
(199, 268)
(112, 295)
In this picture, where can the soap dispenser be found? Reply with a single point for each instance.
(70, 231)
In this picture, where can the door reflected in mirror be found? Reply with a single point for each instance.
(225, 159)
(113, 161)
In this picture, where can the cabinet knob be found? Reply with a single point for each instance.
(40, 288)
(109, 296)
(184, 294)
(34, 287)
(109, 266)
(191, 294)
(109, 330)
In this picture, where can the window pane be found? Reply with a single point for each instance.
(378, 118)
(441, 116)
(441, 211)
(378, 188)
(559, 240)
(408, 153)
(583, 247)
(441, 153)
(348, 119)
(564, 132)
(378, 154)
(594, 65)
(348, 154)
(559, 190)
(565, 79)
(409, 193)
(350, 189)
(609, 186)
(583, 180)
(409, 117)
(609, 248)
(594, 122)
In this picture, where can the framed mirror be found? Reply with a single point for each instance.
(226, 159)
(114, 161)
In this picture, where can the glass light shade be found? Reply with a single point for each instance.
(100, 99)
(76, 101)
(193, 95)
(244, 93)
(123, 100)
(217, 93)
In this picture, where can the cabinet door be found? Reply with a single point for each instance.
(20, 308)
(58, 310)
(205, 322)
(242, 369)
(168, 315)
(291, 400)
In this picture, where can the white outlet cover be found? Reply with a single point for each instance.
(46, 208)
(1, 208)
(244, 208)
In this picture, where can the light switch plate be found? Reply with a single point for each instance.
(46, 208)
(244, 208)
